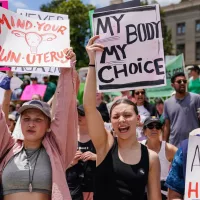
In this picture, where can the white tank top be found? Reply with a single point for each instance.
(164, 163)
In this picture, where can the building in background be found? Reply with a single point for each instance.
(184, 21)
(115, 1)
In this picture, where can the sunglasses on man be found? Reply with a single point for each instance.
(181, 81)
(141, 92)
(152, 126)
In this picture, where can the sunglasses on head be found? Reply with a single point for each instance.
(141, 92)
(181, 81)
(156, 126)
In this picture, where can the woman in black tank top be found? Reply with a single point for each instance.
(124, 166)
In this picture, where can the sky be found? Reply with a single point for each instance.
(35, 4)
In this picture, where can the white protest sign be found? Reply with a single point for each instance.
(29, 42)
(1, 95)
(41, 15)
(192, 183)
(17, 133)
(38, 70)
(133, 56)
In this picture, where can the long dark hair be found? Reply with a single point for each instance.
(146, 103)
(125, 101)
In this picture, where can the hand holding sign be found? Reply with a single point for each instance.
(91, 48)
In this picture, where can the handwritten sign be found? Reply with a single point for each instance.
(192, 184)
(27, 42)
(4, 4)
(1, 95)
(38, 70)
(41, 15)
(133, 56)
(30, 90)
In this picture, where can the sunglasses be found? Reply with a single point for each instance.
(142, 92)
(156, 126)
(82, 114)
(181, 81)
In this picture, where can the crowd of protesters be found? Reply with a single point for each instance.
(126, 149)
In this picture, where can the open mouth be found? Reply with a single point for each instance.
(123, 129)
(31, 131)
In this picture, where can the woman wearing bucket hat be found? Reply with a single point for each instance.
(152, 130)
(124, 166)
(35, 167)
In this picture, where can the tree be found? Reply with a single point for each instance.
(79, 24)
(166, 33)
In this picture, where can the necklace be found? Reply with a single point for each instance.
(30, 188)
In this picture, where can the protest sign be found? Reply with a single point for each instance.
(192, 183)
(41, 15)
(133, 55)
(173, 66)
(27, 42)
(1, 95)
(128, 4)
(4, 4)
(38, 70)
(30, 90)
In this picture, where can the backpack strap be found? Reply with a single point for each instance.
(184, 147)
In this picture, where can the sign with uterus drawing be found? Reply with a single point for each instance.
(29, 42)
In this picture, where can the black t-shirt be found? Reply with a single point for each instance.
(120, 181)
(80, 177)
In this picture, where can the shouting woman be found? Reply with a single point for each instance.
(124, 166)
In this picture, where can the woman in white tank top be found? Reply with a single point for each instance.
(165, 151)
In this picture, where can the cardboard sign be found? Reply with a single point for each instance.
(27, 42)
(41, 15)
(38, 70)
(192, 183)
(1, 95)
(30, 90)
(4, 4)
(133, 56)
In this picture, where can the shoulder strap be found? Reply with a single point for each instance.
(184, 147)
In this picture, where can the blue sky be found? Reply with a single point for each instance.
(35, 4)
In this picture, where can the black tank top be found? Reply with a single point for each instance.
(120, 181)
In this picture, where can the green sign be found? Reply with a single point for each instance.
(173, 66)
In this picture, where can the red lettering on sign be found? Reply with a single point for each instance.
(195, 190)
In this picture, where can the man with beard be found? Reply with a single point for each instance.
(180, 111)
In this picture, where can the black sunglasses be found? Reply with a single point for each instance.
(141, 92)
(151, 126)
(181, 81)
(82, 114)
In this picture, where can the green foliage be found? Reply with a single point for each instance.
(79, 24)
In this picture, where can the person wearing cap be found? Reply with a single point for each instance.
(194, 81)
(80, 174)
(124, 167)
(34, 168)
(152, 130)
